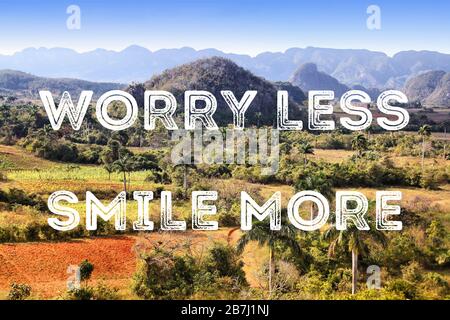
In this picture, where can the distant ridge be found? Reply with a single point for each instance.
(24, 85)
(351, 67)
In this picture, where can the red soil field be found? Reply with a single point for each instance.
(44, 265)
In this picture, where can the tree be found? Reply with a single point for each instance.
(359, 143)
(305, 149)
(162, 274)
(424, 132)
(436, 234)
(261, 233)
(124, 165)
(369, 130)
(355, 241)
(86, 269)
(186, 167)
(258, 116)
(112, 152)
(137, 90)
(315, 182)
(224, 260)
(109, 168)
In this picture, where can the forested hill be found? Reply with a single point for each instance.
(24, 85)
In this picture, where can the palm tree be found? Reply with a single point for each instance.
(109, 168)
(261, 233)
(359, 143)
(355, 241)
(445, 137)
(124, 165)
(186, 167)
(424, 132)
(369, 130)
(305, 149)
(315, 182)
(258, 116)
(46, 133)
(140, 132)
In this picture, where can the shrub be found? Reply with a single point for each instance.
(413, 272)
(16, 196)
(100, 292)
(103, 292)
(19, 291)
(436, 234)
(86, 269)
(403, 288)
(162, 275)
(434, 286)
(313, 286)
(224, 260)
(83, 293)
(228, 219)
(400, 251)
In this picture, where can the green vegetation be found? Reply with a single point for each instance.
(19, 291)
(164, 274)
(36, 161)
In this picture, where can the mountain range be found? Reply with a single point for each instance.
(351, 67)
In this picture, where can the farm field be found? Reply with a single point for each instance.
(43, 264)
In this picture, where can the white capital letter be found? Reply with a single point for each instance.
(165, 114)
(192, 113)
(72, 214)
(316, 110)
(386, 108)
(75, 114)
(283, 122)
(384, 210)
(343, 213)
(143, 198)
(199, 209)
(362, 112)
(319, 220)
(116, 209)
(166, 214)
(102, 110)
(239, 108)
(249, 209)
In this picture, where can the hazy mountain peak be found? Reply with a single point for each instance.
(307, 77)
(306, 68)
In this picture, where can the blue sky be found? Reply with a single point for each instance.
(233, 26)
